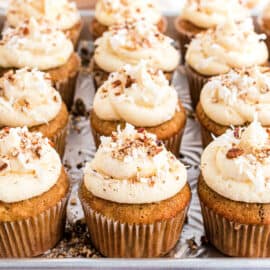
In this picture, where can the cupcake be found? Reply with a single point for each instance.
(233, 99)
(143, 97)
(63, 14)
(27, 98)
(234, 192)
(33, 194)
(37, 44)
(128, 43)
(135, 196)
(215, 52)
(199, 15)
(110, 12)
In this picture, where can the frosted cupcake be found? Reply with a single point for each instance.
(134, 189)
(27, 98)
(233, 99)
(63, 14)
(33, 194)
(199, 15)
(110, 12)
(143, 97)
(37, 44)
(234, 192)
(128, 43)
(215, 52)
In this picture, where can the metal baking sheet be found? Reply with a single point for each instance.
(191, 252)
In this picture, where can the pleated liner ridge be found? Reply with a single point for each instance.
(115, 239)
(33, 236)
(234, 239)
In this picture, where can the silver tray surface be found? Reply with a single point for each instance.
(190, 252)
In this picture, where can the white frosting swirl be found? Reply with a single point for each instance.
(34, 44)
(232, 45)
(109, 12)
(129, 42)
(132, 167)
(61, 13)
(210, 13)
(234, 98)
(29, 165)
(27, 98)
(138, 95)
(236, 164)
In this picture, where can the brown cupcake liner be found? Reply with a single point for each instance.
(59, 141)
(196, 83)
(33, 236)
(234, 239)
(172, 144)
(207, 136)
(115, 239)
(66, 88)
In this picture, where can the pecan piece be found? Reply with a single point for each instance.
(234, 153)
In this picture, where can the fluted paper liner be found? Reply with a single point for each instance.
(33, 236)
(59, 141)
(66, 88)
(234, 239)
(206, 136)
(172, 144)
(122, 240)
(196, 83)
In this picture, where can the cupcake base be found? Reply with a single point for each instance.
(64, 79)
(56, 130)
(208, 127)
(31, 227)
(97, 29)
(122, 237)
(74, 33)
(196, 82)
(186, 32)
(170, 132)
(235, 228)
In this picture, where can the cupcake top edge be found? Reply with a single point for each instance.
(62, 13)
(29, 165)
(27, 98)
(130, 41)
(133, 167)
(109, 12)
(139, 95)
(36, 44)
(207, 14)
(231, 45)
(234, 98)
(236, 164)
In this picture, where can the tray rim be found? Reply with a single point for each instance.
(106, 263)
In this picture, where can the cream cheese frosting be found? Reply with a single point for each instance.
(231, 45)
(131, 41)
(138, 95)
(27, 98)
(234, 98)
(109, 12)
(210, 13)
(29, 165)
(35, 44)
(133, 167)
(61, 13)
(236, 164)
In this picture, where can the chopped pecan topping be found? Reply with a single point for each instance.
(129, 82)
(236, 133)
(116, 83)
(234, 153)
(3, 165)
